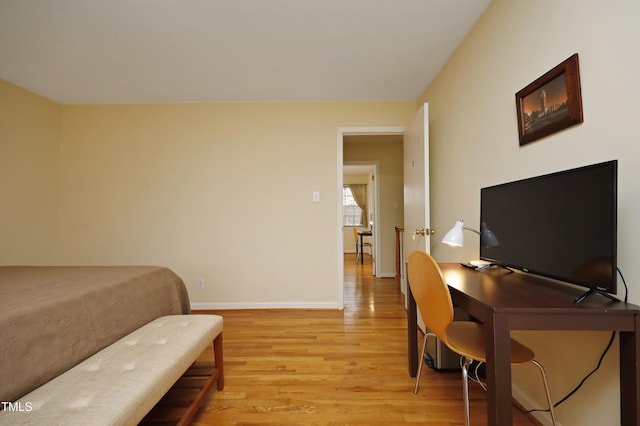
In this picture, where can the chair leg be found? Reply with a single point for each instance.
(465, 388)
(546, 389)
(421, 361)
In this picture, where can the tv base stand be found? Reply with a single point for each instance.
(582, 298)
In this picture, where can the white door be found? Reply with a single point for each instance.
(416, 190)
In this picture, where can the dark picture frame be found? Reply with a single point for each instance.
(551, 103)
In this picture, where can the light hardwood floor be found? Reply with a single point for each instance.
(329, 367)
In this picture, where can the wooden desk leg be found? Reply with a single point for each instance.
(630, 375)
(499, 371)
(412, 332)
(361, 249)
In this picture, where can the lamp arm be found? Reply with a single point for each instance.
(472, 230)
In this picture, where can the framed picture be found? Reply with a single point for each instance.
(551, 103)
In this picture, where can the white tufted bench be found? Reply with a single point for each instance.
(120, 384)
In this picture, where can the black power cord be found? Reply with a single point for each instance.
(606, 349)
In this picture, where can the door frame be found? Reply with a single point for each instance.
(341, 133)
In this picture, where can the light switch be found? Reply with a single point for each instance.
(316, 196)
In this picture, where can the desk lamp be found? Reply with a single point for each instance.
(455, 237)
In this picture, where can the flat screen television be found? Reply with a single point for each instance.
(561, 225)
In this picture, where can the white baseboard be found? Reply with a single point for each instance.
(387, 275)
(260, 305)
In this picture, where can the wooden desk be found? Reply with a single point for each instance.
(506, 301)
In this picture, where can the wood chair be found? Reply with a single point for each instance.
(356, 238)
(465, 338)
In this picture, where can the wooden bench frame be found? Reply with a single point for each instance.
(181, 403)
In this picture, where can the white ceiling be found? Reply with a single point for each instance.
(156, 51)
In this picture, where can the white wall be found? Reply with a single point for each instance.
(474, 143)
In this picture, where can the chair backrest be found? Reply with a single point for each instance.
(355, 235)
(430, 292)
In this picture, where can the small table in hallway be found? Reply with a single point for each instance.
(363, 234)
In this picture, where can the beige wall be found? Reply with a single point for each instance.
(221, 192)
(474, 143)
(386, 151)
(29, 146)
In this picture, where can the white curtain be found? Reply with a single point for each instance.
(359, 192)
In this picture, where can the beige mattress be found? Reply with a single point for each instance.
(52, 318)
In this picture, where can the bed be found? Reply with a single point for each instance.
(52, 318)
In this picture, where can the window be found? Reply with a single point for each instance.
(351, 213)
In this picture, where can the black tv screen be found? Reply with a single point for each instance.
(561, 225)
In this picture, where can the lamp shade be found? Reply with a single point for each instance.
(455, 237)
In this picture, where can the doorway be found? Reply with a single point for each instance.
(379, 243)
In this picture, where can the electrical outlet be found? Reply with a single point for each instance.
(200, 284)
